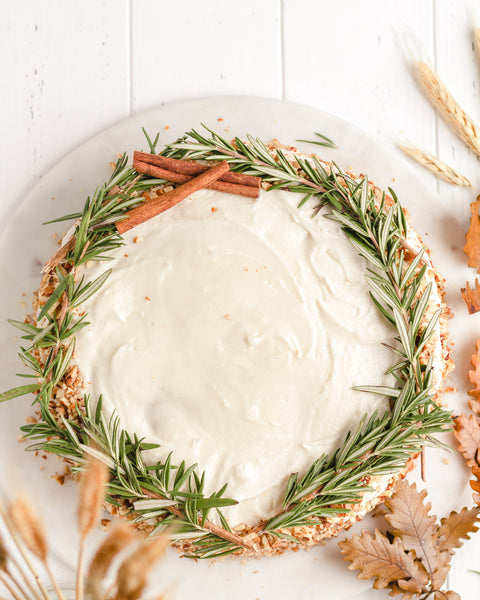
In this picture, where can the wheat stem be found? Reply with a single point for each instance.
(54, 582)
(79, 582)
(10, 588)
(27, 581)
(17, 583)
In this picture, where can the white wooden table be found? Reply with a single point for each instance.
(70, 69)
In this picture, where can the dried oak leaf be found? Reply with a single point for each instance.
(471, 297)
(375, 556)
(472, 237)
(467, 432)
(457, 527)
(474, 377)
(412, 523)
(475, 485)
(409, 516)
(396, 589)
(467, 428)
(438, 595)
(450, 595)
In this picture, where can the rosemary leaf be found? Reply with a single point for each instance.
(18, 391)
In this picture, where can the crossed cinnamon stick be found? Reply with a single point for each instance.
(192, 176)
(181, 171)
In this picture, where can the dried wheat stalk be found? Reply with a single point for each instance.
(438, 94)
(90, 503)
(28, 535)
(436, 166)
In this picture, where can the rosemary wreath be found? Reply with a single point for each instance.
(174, 494)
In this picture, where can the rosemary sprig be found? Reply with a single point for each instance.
(323, 141)
(174, 494)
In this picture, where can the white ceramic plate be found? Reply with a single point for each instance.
(25, 245)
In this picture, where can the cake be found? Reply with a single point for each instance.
(240, 335)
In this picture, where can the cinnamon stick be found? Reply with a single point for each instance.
(60, 254)
(176, 177)
(187, 167)
(148, 210)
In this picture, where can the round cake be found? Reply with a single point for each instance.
(232, 332)
(241, 339)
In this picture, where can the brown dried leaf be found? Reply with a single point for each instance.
(472, 237)
(409, 516)
(467, 432)
(475, 403)
(456, 527)
(395, 590)
(474, 377)
(450, 595)
(471, 297)
(475, 485)
(376, 557)
(467, 428)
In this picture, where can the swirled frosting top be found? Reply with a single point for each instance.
(232, 332)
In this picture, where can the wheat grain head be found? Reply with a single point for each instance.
(29, 527)
(91, 495)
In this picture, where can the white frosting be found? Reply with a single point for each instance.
(232, 333)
